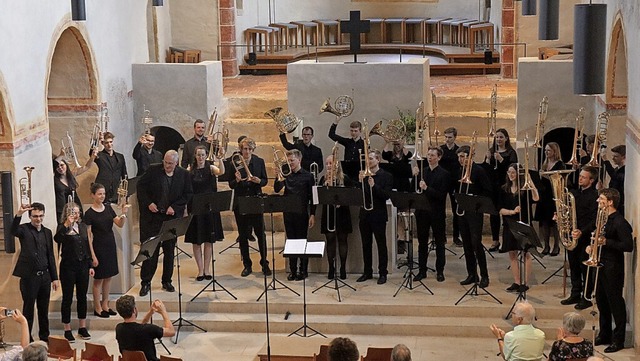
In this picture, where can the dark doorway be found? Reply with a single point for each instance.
(166, 138)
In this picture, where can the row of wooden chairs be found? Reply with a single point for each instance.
(60, 348)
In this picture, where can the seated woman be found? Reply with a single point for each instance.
(569, 345)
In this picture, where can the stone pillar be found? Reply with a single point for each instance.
(508, 56)
(228, 38)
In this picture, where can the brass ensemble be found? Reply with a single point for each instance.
(342, 108)
(542, 119)
(285, 122)
(280, 160)
(25, 187)
(123, 192)
(70, 152)
(147, 120)
(597, 240)
(240, 164)
(465, 180)
(395, 131)
(600, 139)
(577, 137)
(366, 172)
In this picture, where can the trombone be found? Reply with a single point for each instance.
(314, 168)
(577, 137)
(240, 164)
(283, 168)
(600, 139)
(70, 151)
(366, 172)
(595, 251)
(466, 171)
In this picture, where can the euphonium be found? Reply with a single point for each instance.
(542, 118)
(577, 136)
(240, 164)
(25, 187)
(600, 138)
(283, 168)
(366, 172)
(70, 151)
(394, 132)
(285, 121)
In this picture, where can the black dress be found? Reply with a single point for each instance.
(63, 192)
(508, 200)
(104, 241)
(205, 227)
(546, 206)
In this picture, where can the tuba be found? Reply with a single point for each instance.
(565, 206)
(395, 131)
(283, 168)
(285, 121)
(600, 139)
(577, 136)
(70, 151)
(123, 192)
(366, 172)
(25, 187)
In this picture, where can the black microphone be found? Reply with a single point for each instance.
(286, 315)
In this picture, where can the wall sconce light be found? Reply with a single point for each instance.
(78, 11)
(589, 41)
(157, 3)
(548, 22)
(529, 7)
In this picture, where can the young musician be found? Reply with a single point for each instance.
(471, 222)
(299, 182)
(191, 144)
(144, 154)
(399, 158)
(616, 240)
(374, 222)
(619, 157)
(449, 161)
(547, 206)
(111, 168)
(434, 182)
(353, 146)
(310, 153)
(65, 183)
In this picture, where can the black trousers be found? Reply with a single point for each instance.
(425, 221)
(454, 206)
(74, 274)
(296, 226)
(495, 220)
(150, 265)
(367, 231)
(343, 248)
(245, 224)
(610, 301)
(579, 270)
(471, 233)
(36, 290)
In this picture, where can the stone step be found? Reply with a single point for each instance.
(252, 107)
(259, 129)
(470, 103)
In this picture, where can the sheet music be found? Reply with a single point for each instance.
(295, 246)
(315, 248)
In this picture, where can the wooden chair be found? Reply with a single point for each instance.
(377, 354)
(323, 354)
(169, 358)
(60, 348)
(95, 352)
(132, 356)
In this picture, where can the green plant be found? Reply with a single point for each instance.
(409, 120)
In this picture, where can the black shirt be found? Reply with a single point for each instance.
(617, 181)
(438, 182)
(400, 169)
(619, 237)
(299, 183)
(133, 336)
(383, 183)
(586, 211)
(144, 158)
(189, 151)
(310, 153)
(351, 147)
(75, 245)
(450, 163)
(41, 244)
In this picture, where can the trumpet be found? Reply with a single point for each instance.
(70, 151)
(600, 139)
(25, 187)
(597, 237)
(70, 209)
(542, 118)
(577, 136)
(285, 122)
(421, 124)
(123, 192)
(147, 120)
(395, 131)
(240, 164)
(366, 172)
(283, 168)
(314, 168)
(466, 171)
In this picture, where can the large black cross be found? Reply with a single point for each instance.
(355, 27)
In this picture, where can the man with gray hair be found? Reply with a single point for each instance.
(400, 353)
(35, 351)
(524, 342)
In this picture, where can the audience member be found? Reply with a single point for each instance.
(524, 342)
(400, 353)
(569, 345)
(15, 353)
(343, 349)
(35, 351)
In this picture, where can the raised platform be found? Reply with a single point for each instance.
(455, 60)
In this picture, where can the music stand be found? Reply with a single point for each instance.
(271, 204)
(409, 201)
(304, 249)
(207, 203)
(332, 197)
(527, 238)
(147, 248)
(476, 204)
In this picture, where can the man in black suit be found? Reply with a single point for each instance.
(36, 266)
(111, 168)
(248, 185)
(144, 154)
(310, 153)
(163, 193)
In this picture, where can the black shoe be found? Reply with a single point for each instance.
(402, 246)
(112, 312)
(494, 248)
(83, 333)
(484, 282)
(246, 271)
(208, 277)
(614, 347)
(69, 336)
(554, 253)
(382, 279)
(545, 251)
(420, 276)
(601, 341)
(144, 289)
(291, 276)
(343, 274)
(523, 288)
(469, 280)
(103, 314)
(252, 238)
(364, 277)
(572, 300)
(457, 242)
(513, 288)
(167, 286)
(440, 277)
(332, 273)
(200, 278)
(266, 271)
(583, 304)
(301, 276)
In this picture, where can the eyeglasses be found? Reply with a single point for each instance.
(37, 216)
(303, 134)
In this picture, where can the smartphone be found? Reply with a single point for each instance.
(8, 312)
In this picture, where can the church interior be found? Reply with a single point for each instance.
(158, 65)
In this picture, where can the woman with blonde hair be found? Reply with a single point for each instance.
(546, 206)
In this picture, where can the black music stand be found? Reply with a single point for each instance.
(304, 249)
(409, 201)
(476, 204)
(527, 239)
(207, 203)
(172, 229)
(332, 197)
(144, 253)
(271, 204)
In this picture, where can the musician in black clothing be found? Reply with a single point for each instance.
(399, 158)
(619, 157)
(191, 144)
(586, 197)
(616, 240)
(434, 182)
(449, 162)
(374, 222)
(144, 154)
(310, 152)
(352, 146)
(111, 168)
(248, 186)
(471, 222)
(299, 182)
